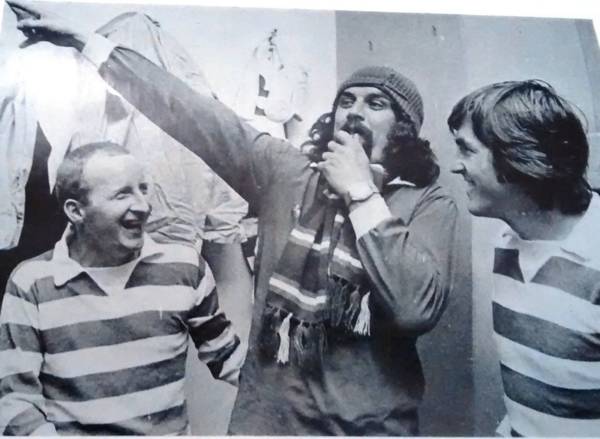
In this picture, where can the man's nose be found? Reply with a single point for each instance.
(141, 204)
(355, 114)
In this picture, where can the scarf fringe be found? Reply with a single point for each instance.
(310, 343)
(363, 322)
(281, 337)
(283, 353)
(272, 320)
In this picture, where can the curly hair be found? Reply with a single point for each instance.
(537, 140)
(406, 155)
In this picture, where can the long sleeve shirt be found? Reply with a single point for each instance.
(405, 242)
(80, 358)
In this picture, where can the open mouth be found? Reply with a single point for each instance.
(133, 225)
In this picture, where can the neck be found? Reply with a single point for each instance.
(88, 255)
(533, 223)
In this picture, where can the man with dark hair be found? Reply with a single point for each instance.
(94, 333)
(523, 153)
(355, 255)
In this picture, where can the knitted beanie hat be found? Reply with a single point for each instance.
(399, 88)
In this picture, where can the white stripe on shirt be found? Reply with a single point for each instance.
(90, 308)
(559, 307)
(558, 372)
(118, 408)
(115, 357)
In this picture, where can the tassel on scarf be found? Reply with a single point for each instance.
(283, 353)
(352, 310)
(310, 342)
(363, 322)
(337, 299)
(272, 320)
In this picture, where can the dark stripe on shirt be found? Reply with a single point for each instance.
(168, 421)
(81, 285)
(506, 263)
(208, 306)
(13, 290)
(112, 331)
(116, 383)
(174, 273)
(570, 277)
(215, 365)
(545, 336)
(210, 329)
(25, 423)
(555, 401)
(13, 335)
(25, 382)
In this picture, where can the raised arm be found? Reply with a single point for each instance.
(22, 404)
(243, 157)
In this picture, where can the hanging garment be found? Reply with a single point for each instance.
(73, 106)
(271, 92)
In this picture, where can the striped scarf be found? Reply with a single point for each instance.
(319, 284)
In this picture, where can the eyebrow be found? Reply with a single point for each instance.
(120, 189)
(378, 95)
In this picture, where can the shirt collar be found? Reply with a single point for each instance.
(582, 241)
(66, 268)
(399, 182)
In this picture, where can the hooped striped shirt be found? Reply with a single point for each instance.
(546, 312)
(75, 359)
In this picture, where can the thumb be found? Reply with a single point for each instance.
(358, 145)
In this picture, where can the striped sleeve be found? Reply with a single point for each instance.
(213, 334)
(22, 405)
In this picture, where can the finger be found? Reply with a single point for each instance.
(36, 24)
(357, 146)
(333, 146)
(342, 136)
(327, 156)
(28, 23)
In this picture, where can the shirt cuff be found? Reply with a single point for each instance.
(369, 214)
(98, 49)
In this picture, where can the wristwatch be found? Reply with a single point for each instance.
(358, 192)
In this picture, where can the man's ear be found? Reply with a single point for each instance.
(74, 211)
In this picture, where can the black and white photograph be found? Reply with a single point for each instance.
(284, 221)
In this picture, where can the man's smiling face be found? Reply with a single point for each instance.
(488, 196)
(116, 209)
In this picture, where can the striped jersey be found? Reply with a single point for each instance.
(76, 359)
(546, 312)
